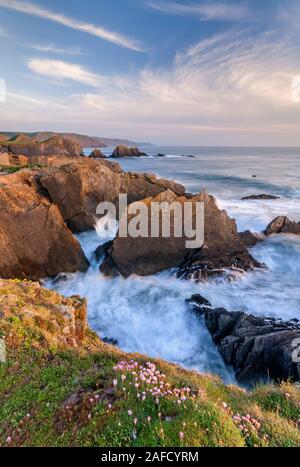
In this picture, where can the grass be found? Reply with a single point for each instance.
(106, 398)
(14, 169)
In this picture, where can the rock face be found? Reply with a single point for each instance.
(283, 225)
(257, 348)
(262, 197)
(34, 240)
(125, 151)
(61, 322)
(145, 256)
(54, 146)
(97, 154)
(79, 187)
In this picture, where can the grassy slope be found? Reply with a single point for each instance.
(62, 397)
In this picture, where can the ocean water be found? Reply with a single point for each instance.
(148, 315)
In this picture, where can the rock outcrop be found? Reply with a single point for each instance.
(56, 321)
(34, 240)
(260, 197)
(257, 348)
(283, 225)
(54, 146)
(79, 187)
(125, 151)
(144, 256)
(97, 154)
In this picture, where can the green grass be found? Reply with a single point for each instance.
(14, 169)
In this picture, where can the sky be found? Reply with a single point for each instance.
(171, 72)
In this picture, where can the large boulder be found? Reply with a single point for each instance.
(97, 154)
(79, 187)
(283, 225)
(125, 151)
(34, 240)
(144, 256)
(250, 239)
(256, 347)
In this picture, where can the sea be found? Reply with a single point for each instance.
(149, 315)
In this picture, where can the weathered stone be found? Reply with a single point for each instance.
(145, 256)
(125, 151)
(34, 240)
(260, 197)
(256, 347)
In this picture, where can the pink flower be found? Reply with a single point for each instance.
(8, 439)
(135, 421)
(130, 413)
(181, 435)
(115, 382)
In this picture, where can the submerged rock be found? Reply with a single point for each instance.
(257, 348)
(144, 256)
(283, 225)
(34, 240)
(125, 151)
(262, 197)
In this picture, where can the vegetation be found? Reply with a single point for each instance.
(14, 169)
(53, 396)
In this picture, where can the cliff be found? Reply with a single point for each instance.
(62, 386)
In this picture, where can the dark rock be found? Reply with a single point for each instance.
(257, 348)
(283, 225)
(198, 302)
(101, 251)
(161, 155)
(262, 197)
(251, 239)
(124, 151)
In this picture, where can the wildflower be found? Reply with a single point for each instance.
(149, 419)
(287, 395)
(109, 406)
(181, 435)
(135, 421)
(130, 413)
(115, 381)
(224, 405)
(8, 439)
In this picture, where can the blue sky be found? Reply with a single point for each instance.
(170, 72)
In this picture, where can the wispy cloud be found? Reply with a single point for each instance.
(60, 70)
(204, 11)
(53, 49)
(98, 31)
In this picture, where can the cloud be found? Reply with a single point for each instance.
(60, 70)
(98, 31)
(204, 11)
(51, 48)
(230, 88)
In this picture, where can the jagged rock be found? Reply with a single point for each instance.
(262, 197)
(97, 154)
(79, 187)
(251, 239)
(34, 240)
(257, 348)
(283, 225)
(145, 256)
(125, 151)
